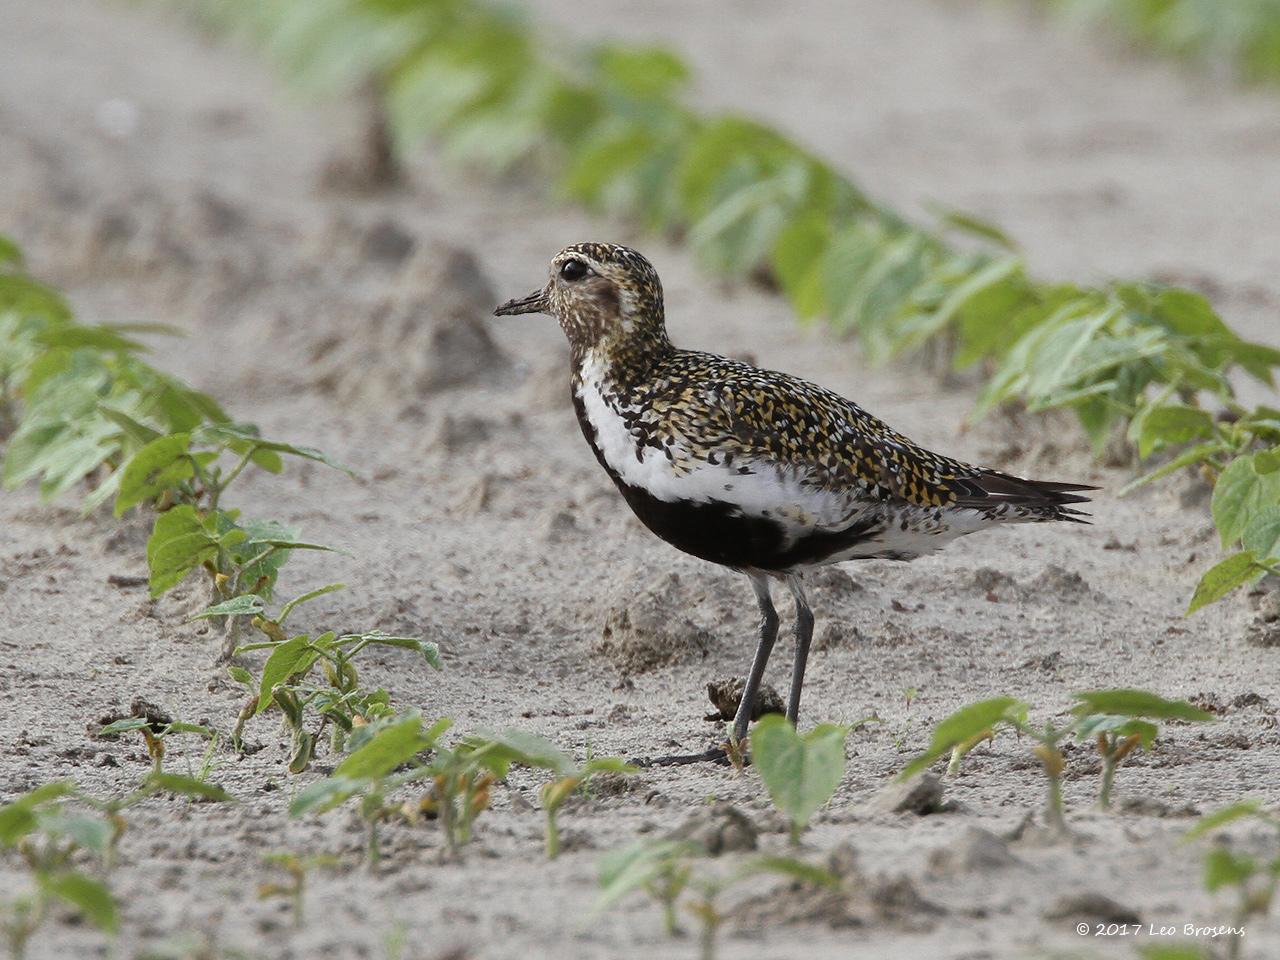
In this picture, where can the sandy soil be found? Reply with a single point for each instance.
(483, 522)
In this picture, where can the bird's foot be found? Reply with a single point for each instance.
(724, 755)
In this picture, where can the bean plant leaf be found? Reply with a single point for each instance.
(91, 897)
(159, 466)
(178, 544)
(800, 771)
(790, 867)
(324, 795)
(294, 656)
(187, 787)
(392, 746)
(1137, 703)
(1261, 536)
(1220, 818)
(1223, 868)
(1223, 577)
(248, 604)
(1239, 495)
(965, 724)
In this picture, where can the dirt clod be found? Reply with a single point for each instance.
(726, 695)
(975, 850)
(720, 829)
(651, 629)
(921, 795)
(1091, 906)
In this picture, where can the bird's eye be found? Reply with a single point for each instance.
(574, 270)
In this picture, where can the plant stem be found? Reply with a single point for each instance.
(553, 836)
(1108, 778)
(1054, 816)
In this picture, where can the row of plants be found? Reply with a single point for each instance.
(611, 127)
(1243, 35)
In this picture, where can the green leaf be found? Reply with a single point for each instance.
(392, 746)
(18, 818)
(634, 866)
(1170, 425)
(1137, 703)
(801, 771)
(1220, 818)
(790, 867)
(324, 795)
(241, 439)
(186, 786)
(1197, 454)
(966, 723)
(159, 466)
(125, 725)
(89, 833)
(968, 223)
(290, 658)
(178, 544)
(500, 750)
(245, 605)
(1222, 868)
(1240, 493)
(91, 897)
(797, 262)
(428, 650)
(1223, 577)
(1261, 536)
(1093, 724)
(10, 253)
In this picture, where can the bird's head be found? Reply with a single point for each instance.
(604, 295)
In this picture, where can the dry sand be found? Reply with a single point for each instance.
(483, 522)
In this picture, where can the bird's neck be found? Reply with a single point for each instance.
(621, 366)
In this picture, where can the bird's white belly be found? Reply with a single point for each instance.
(678, 472)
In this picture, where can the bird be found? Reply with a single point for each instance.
(759, 471)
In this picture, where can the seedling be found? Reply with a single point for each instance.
(155, 731)
(371, 771)
(295, 868)
(461, 776)
(54, 828)
(556, 792)
(1116, 721)
(1254, 880)
(677, 872)
(800, 771)
(291, 676)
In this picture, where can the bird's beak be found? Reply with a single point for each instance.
(535, 302)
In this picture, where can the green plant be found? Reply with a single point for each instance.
(673, 871)
(568, 782)
(305, 674)
(1253, 879)
(55, 829)
(800, 771)
(389, 754)
(1115, 721)
(295, 867)
(155, 732)
(1242, 34)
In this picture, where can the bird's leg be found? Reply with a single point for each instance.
(804, 636)
(768, 635)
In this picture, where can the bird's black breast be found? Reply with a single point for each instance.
(718, 531)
